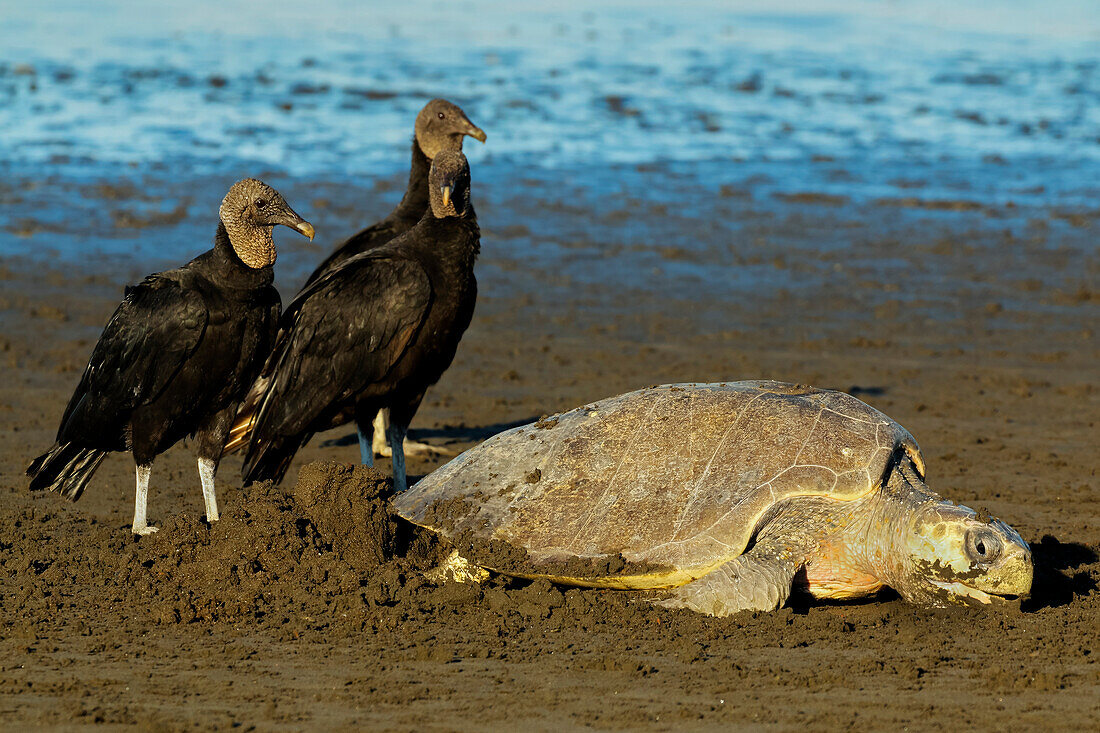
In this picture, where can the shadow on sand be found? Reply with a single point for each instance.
(455, 434)
(1057, 578)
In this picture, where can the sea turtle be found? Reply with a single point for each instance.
(727, 495)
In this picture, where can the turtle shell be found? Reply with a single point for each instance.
(676, 478)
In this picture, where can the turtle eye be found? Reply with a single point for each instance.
(441, 115)
(982, 546)
(261, 203)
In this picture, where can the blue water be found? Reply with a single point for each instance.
(976, 104)
(330, 86)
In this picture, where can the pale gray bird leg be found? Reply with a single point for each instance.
(207, 467)
(411, 447)
(381, 433)
(759, 580)
(416, 448)
(396, 434)
(141, 525)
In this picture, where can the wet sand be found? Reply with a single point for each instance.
(973, 326)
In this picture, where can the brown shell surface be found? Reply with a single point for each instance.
(676, 476)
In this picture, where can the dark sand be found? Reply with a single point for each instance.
(975, 327)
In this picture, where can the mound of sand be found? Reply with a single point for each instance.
(321, 552)
(304, 554)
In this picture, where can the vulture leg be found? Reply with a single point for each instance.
(207, 467)
(212, 438)
(366, 449)
(141, 525)
(411, 447)
(414, 448)
(368, 437)
(400, 415)
(381, 433)
(396, 434)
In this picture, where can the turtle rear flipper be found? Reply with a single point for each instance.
(759, 580)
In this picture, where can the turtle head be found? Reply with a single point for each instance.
(953, 554)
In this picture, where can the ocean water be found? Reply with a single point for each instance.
(990, 105)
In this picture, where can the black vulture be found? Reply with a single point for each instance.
(373, 333)
(440, 125)
(177, 356)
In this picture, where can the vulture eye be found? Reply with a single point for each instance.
(441, 115)
(261, 203)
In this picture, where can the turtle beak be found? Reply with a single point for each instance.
(445, 191)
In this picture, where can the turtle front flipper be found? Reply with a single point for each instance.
(759, 580)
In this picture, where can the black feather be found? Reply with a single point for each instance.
(403, 218)
(375, 332)
(174, 360)
(65, 468)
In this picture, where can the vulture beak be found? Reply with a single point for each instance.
(474, 131)
(291, 219)
(446, 190)
(306, 229)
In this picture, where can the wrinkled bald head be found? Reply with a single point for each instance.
(449, 184)
(441, 125)
(249, 212)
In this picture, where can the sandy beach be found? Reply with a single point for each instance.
(859, 202)
(262, 621)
